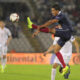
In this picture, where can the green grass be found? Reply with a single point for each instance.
(35, 72)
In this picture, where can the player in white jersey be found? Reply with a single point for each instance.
(66, 51)
(5, 38)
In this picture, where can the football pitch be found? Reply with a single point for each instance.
(35, 72)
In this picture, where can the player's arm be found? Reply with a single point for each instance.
(50, 49)
(76, 45)
(49, 23)
(45, 25)
(9, 39)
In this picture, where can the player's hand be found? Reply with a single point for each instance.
(35, 33)
(45, 53)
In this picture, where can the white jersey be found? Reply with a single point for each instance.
(4, 34)
(67, 48)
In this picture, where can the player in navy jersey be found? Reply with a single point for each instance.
(64, 33)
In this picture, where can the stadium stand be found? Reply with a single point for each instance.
(37, 9)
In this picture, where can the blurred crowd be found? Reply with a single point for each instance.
(39, 12)
(41, 8)
(70, 7)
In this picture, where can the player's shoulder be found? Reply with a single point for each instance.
(6, 29)
(61, 14)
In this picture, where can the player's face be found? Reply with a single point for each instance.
(2, 24)
(54, 11)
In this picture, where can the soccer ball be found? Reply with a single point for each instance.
(14, 17)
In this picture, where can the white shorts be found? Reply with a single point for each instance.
(65, 57)
(3, 50)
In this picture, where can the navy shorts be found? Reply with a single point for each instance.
(64, 35)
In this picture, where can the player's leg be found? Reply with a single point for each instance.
(59, 55)
(33, 26)
(57, 48)
(2, 70)
(48, 30)
(53, 72)
(64, 37)
(4, 58)
(0, 56)
(52, 58)
(61, 68)
(3, 63)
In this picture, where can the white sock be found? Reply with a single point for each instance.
(53, 74)
(3, 62)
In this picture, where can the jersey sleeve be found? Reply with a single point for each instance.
(72, 39)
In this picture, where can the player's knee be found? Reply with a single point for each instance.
(55, 51)
(55, 65)
(4, 56)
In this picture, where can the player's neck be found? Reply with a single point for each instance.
(2, 27)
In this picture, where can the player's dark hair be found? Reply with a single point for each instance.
(57, 7)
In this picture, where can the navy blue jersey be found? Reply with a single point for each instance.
(63, 21)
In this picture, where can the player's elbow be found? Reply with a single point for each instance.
(10, 37)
